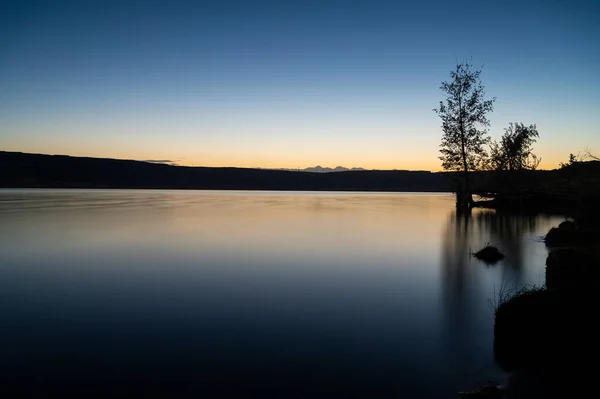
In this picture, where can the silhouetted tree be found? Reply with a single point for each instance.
(572, 159)
(464, 122)
(587, 156)
(514, 151)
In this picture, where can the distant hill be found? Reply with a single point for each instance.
(60, 171)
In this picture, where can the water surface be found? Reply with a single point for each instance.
(280, 294)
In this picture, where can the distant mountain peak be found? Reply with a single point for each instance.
(320, 169)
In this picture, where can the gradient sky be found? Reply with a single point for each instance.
(289, 83)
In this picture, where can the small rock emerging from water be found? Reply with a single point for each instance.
(489, 254)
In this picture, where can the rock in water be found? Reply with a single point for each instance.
(489, 254)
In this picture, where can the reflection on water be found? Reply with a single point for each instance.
(293, 294)
(469, 286)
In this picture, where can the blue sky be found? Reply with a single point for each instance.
(289, 83)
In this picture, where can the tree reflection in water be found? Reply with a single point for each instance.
(468, 284)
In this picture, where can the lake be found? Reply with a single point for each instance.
(268, 294)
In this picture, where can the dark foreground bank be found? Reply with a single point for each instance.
(547, 337)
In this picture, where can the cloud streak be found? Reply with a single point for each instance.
(162, 161)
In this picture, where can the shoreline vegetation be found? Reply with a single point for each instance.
(573, 190)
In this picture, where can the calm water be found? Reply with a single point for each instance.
(252, 293)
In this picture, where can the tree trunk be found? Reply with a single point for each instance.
(466, 195)
(466, 198)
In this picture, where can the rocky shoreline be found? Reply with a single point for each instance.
(544, 336)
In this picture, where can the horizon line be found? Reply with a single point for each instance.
(174, 164)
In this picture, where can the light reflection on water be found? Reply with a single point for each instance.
(293, 294)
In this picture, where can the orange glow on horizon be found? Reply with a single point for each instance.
(427, 162)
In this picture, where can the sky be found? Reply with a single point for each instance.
(289, 84)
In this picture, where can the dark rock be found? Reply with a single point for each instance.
(489, 254)
(521, 323)
(583, 233)
(557, 237)
(567, 225)
(564, 234)
(572, 269)
(542, 328)
(569, 236)
(566, 381)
